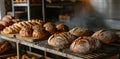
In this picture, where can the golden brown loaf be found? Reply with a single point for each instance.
(26, 31)
(4, 46)
(105, 36)
(81, 31)
(61, 40)
(40, 22)
(62, 28)
(39, 33)
(84, 45)
(50, 27)
(7, 18)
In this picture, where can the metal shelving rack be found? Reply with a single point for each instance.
(42, 45)
(20, 4)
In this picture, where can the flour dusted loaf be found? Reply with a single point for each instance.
(81, 31)
(84, 45)
(61, 40)
(105, 36)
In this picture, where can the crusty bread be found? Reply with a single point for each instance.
(62, 28)
(39, 33)
(61, 40)
(81, 31)
(26, 31)
(84, 45)
(50, 27)
(105, 36)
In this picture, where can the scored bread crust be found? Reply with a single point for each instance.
(61, 40)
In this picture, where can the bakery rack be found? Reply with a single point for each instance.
(42, 45)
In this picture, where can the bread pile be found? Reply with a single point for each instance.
(7, 21)
(4, 46)
(16, 27)
(35, 28)
(86, 41)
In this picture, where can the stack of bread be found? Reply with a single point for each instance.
(4, 46)
(7, 21)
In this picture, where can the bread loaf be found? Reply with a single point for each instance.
(26, 31)
(50, 27)
(84, 45)
(40, 33)
(61, 40)
(105, 36)
(62, 28)
(81, 31)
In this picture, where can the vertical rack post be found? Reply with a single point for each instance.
(44, 10)
(13, 9)
(2, 8)
(28, 9)
(18, 51)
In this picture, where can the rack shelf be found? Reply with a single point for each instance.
(42, 45)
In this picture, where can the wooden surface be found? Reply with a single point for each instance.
(9, 35)
(29, 39)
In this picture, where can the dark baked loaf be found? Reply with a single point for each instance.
(62, 28)
(81, 31)
(50, 27)
(84, 45)
(105, 36)
(61, 40)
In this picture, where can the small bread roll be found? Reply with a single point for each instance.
(105, 36)
(81, 31)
